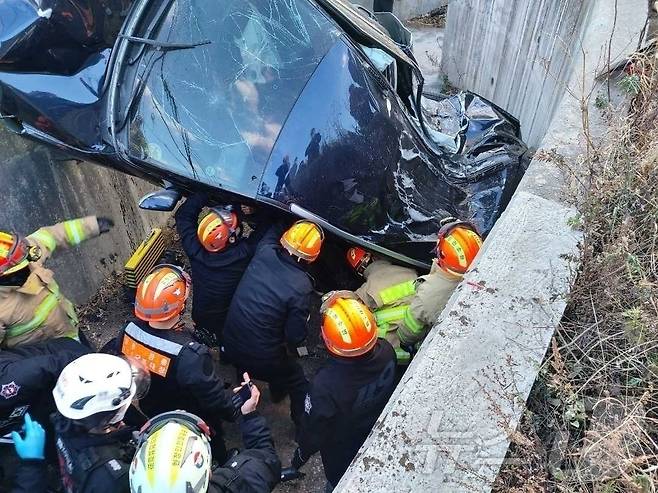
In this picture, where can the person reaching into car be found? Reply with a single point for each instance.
(219, 255)
(92, 395)
(267, 319)
(32, 306)
(349, 393)
(405, 308)
(254, 470)
(182, 369)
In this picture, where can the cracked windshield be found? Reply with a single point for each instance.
(213, 111)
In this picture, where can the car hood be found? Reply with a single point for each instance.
(349, 154)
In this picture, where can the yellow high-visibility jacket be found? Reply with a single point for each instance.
(37, 310)
(405, 305)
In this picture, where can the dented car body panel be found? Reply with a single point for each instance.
(279, 103)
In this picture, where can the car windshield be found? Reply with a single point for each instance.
(213, 112)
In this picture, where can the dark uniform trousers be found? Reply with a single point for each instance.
(345, 400)
(90, 463)
(183, 376)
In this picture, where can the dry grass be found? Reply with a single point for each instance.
(592, 419)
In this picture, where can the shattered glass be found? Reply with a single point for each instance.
(214, 112)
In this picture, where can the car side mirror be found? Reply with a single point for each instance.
(161, 200)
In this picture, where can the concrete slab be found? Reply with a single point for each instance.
(428, 50)
(446, 427)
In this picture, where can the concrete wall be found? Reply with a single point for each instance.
(39, 191)
(406, 9)
(517, 53)
(448, 425)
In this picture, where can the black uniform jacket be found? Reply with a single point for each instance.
(346, 398)
(182, 372)
(257, 468)
(271, 305)
(215, 275)
(27, 377)
(91, 463)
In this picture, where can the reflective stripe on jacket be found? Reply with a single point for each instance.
(393, 281)
(38, 310)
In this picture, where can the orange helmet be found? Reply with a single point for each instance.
(303, 240)
(359, 259)
(348, 327)
(162, 294)
(457, 246)
(14, 253)
(218, 229)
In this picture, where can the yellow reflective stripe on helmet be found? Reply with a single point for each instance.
(397, 292)
(387, 315)
(44, 237)
(16, 267)
(75, 233)
(41, 314)
(459, 250)
(411, 323)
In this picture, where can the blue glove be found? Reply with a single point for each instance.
(34, 443)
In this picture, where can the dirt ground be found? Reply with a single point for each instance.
(107, 312)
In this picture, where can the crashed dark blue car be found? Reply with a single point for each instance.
(314, 107)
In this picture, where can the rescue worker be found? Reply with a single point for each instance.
(27, 376)
(32, 307)
(92, 396)
(218, 255)
(267, 319)
(387, 286)
(348, 394)
(405, 309)
(30, 444)
(254, 470)
(182, 369)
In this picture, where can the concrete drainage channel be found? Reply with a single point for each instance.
(447, 425)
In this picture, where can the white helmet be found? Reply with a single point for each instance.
(97, 389)
(173, 455)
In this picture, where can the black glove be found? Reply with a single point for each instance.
(104, 224)
(290, 473)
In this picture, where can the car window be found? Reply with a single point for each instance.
(213, 112)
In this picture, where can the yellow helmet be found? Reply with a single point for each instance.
(303, 240)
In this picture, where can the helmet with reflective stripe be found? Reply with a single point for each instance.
(303, 240)
(457, 246)
(348, 327)
(173, 455)
(14, 253)
(359, 259)
(162, 294)
(218, 229)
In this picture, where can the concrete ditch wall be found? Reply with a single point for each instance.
(407, 9)
(518, 54)
(447, 427)
(38, 191)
